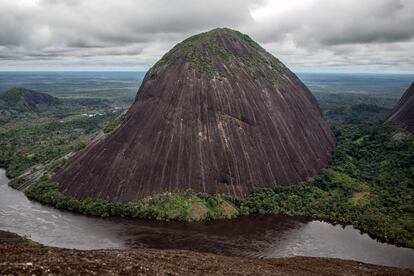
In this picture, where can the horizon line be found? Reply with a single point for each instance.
(144, 71)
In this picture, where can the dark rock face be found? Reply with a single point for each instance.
(403, 112)
(26, 100)
(217, 114)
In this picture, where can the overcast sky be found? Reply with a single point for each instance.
(307, 35)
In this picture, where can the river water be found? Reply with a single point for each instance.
(260, 236)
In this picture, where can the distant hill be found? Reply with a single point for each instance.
(22, 99)
(403, 112)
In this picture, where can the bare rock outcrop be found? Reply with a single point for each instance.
(403, 112)
(217, 114)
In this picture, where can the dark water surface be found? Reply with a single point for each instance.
(260, 236)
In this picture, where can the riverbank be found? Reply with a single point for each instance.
(259, 236)
(22, 256)
(369, 185)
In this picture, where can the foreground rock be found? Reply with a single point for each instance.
(21, 256)
(403, 112)
(217, 114)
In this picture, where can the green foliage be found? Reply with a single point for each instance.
(112, 125)
(56, 165)
(330, 100)
(41, 143)
(370, 185)
(153, 76)
(11, 97)
(182, 206)
(356, 114)
(21, 101)
(205, 50)
(245, 38)
(16, 182)
(28, 137)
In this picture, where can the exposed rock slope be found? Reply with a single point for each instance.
(216, 114)
(403, 112)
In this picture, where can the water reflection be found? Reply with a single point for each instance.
(242, 236)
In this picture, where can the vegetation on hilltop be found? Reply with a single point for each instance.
(207, 53)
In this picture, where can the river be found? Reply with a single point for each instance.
(263, 236)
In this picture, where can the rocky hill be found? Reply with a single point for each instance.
(21, 99)
(217, 114)
(403, 112)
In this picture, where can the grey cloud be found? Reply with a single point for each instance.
(12, 32)
(327, 22)
(316, 33)
(102, 23)
(80, 43)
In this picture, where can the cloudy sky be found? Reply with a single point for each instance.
(307, 35)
